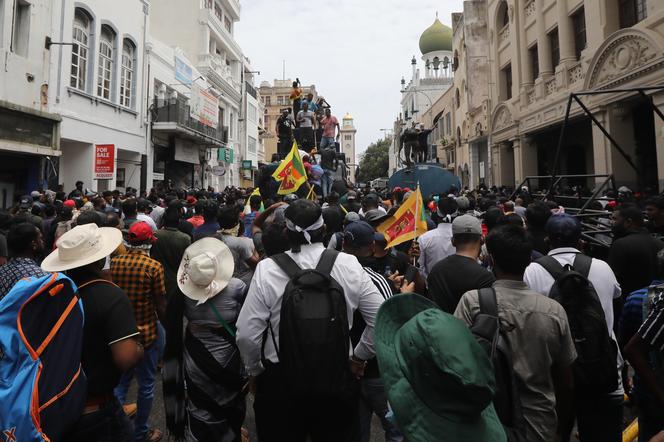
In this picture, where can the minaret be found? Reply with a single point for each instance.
(347, 143)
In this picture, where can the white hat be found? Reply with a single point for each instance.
(81, 246)
(205, 270)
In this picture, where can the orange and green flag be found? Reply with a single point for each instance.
(407, 223)
(290, 173)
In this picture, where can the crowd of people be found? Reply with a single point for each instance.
(499, 323)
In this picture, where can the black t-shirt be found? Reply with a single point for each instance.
(327, 157)
(285, 126)
(109, 318)
(633, 259)
(656, 231)
(334, 219)
(452, 277)
(392, 262)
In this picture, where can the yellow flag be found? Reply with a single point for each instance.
(291, 172)
(407, 223)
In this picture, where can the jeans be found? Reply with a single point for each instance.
(145, 371)
(373, 399)
(327, 142)
(109, 424)
(326, 182)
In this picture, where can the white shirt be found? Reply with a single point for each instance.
(157, 214)
(381, 209)
(601, 276)
(147, 219)
(263, 303)
(435, 245)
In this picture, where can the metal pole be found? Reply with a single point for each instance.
(655, 108)
(560, 144)
(606, 133)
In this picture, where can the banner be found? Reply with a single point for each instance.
(183, 71)
(204, 107)
(104, 162)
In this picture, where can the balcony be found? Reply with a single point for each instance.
(208, 16)
(217, 71)
(174, 118)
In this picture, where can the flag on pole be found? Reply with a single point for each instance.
(312, 195)
(247, 207)
(290, 173)
(407, 223)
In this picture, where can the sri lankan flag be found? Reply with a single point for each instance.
(407, 223)
(290, 173)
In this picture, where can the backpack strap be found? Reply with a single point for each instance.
(552, 266)
(488, 301)
(582, 264)
(287, 264)
(326, 261)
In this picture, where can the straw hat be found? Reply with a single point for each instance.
(205, 270)
(81, 246)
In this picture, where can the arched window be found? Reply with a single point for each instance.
(458, 140)
(503, 15)
(80, 50)
(127, 73)
(457, 98)
(105, 72)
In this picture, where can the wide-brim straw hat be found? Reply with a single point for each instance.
(205, 270)
(81, 246)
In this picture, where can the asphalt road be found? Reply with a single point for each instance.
(158, 419)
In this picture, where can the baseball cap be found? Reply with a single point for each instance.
(69, 203)
(143, 204)
(466, 224)
(141, 232)
(191, 200)
(359, 234)
(25, 202)
(371, 198)
(351, 195)
(563, 227)
(35, 194)
(351, 217)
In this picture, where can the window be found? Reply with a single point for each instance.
(127, 73)
(21, 28)
(506, 75)
(280, 100)
(217, 11)
(228, 24)
(252, 113)
(267, 100)
(457, 98)
(534, 61)
(208, 4)
(105, 70)
(79, 51)
(503, 15)
(267, 121)
(631, 12)
(231, 123)
(348, 137)
(555, 48)
(579, 24)
(448, 123)
(251, 146)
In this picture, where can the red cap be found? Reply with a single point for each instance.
(141, 232)
(397, 189)
(406, 189)
(69, 203)
(191, 200)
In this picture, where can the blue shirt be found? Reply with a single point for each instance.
(205, 229)
(248, 221)
(313, 107)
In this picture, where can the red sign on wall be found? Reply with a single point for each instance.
(104, 161)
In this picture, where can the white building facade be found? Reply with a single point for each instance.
(347, 144)
(29, 133)
(97, 73)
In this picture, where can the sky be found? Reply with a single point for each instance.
(354, 51)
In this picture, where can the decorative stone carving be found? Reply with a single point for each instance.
(551, 85)
(626, 54)
(531, 96)
(502, 118)
(530, 8)
(504, 34)
(575, 73)
(510, 13)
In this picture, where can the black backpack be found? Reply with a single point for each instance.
(314, 338)
(489, 334)
(595, 370)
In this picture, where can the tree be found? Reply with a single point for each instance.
(374, 162)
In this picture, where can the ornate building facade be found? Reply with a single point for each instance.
(540, 51)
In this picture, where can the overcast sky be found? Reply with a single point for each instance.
(354, 51)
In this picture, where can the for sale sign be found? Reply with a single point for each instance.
(104, 161)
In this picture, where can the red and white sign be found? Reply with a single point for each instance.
(104, 161)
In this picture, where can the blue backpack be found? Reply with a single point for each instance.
(42, 385)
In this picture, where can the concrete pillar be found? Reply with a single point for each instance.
(658, 100)
(601, 145)
(543, 44)
(525, 158)
(526, 66)
(565, 34)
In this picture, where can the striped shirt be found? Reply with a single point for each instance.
(652, 329)
(381, 283)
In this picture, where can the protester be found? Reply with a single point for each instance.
(453, 276)
(210, 224)
(110, 344)
(197, 220)
(599, 416)
(537, 214)
(255, 203)
(333, 215)
(144, 209)
(307, 123)
(242, 248)
(436, 245)
(655, 216)
(169, 247)
(26, 246)
(452, 402)
(351, 202)
(142, 279)
(129, 212)
(212, 365)
(281, 414)
(539, 337)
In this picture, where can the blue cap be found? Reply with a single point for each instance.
(359, 234)
(563, 227)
